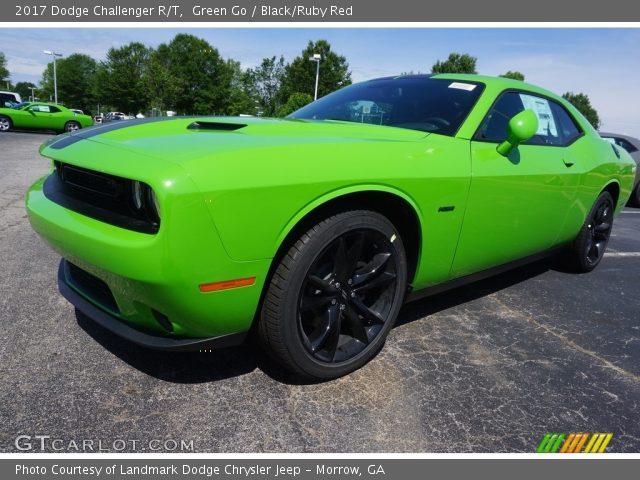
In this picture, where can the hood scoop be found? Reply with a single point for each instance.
(215, 126)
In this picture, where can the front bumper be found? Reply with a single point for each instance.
(134, 335)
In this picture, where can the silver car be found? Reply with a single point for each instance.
(631, 145)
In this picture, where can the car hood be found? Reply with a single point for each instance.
(182, 139)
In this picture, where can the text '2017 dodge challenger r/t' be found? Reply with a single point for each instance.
(183, 233)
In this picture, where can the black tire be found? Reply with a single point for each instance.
(5, 124)
(72, 126)
(588, 248)
(634, 200)
(335, 295)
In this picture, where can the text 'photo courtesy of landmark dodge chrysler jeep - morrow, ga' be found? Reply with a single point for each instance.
(313, 230)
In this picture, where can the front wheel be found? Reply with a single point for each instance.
(5, 124)
(588, 248)
(72, 126)
(335, 295)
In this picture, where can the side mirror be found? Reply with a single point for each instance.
(520, 128)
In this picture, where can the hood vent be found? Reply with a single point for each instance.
(215, 126)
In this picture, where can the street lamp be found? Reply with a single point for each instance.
(33, 93)
(55, 76)
(316, 58)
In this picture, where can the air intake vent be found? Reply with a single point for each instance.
(215, 126)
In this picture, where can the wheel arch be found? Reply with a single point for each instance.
(613, 187)
(397, 206)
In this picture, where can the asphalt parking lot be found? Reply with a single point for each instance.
(490, 367)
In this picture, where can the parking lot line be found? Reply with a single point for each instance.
(622, 254)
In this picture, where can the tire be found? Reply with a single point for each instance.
(588, 248)
(72, 126)
(634, 200)
(334, 296)
(5, 124)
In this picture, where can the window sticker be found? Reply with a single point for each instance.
(541, 107)
(469, 87)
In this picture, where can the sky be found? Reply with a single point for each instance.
(602, 62)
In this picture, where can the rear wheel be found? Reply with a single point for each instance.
(5, 123)
(72, 126)
(634, 201)
(588, 248)
(335, 295)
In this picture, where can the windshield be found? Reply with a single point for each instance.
(416, 103)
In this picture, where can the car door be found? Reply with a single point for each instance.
(37, 116)
(517, 204)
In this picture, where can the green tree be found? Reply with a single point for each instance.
(4, 71)
(75, 75)
(456, 63)
(296, 101)
(264, 84)
(514, 75)
(119, 79)
(161, 85)
(583, 105)
(202, 79)
(300, 74)
(240, 99)
(24, 89)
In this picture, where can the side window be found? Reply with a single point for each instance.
(494, 126)
(555, 126)
(54, 109)
(569, 131)
(625, 144)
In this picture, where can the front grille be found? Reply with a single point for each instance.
(102, 196)
(91, 286)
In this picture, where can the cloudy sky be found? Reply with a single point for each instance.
(600, 62)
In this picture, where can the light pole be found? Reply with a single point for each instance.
(316, 58)
(33, 94)
(55, 75)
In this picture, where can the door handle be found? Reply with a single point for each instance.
(567, 164)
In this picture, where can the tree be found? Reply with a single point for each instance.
(119, 79)
(201, 79)
(75, 76)
(295, 102)
(24, 89)
(514, 75)
(583, 105)
(265, 82)
(4, 71)
(240, 100)
(300, 74)
(456, 63)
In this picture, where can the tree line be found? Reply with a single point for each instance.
(189, 76)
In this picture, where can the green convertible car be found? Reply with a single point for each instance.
(42, 116)
(312, 231)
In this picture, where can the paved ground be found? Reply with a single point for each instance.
(489, 367)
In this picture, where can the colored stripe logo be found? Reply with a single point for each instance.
(574, 443)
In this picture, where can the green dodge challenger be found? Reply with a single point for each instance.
(42, 116)
(312, 231)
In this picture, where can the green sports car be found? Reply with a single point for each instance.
(312, 231)
(42, 116)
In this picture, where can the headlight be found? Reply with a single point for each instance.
(154, 203)
(144, 201)
(137, 195)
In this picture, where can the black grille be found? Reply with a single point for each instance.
(98, 195)
(91, 286)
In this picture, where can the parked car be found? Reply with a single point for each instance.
(42, 116)
(111, 116)
(631, 145)
(9, 99)
(320, 226)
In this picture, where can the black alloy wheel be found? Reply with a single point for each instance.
(347, 295)
(588, 249)
(334, 295)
